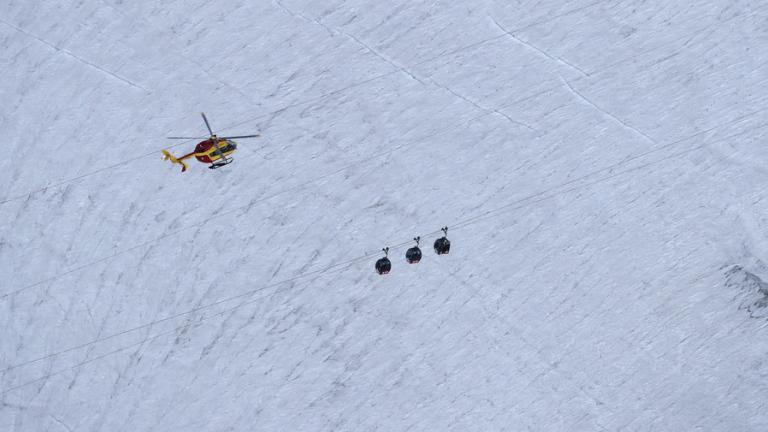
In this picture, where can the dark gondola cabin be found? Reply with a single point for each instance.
(384, 265)
(413, 255)
(443, 245)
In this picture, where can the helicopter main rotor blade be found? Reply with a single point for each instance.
(187, 138)
(208, 125)
(241, 136)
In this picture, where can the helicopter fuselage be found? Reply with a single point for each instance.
(207, 151)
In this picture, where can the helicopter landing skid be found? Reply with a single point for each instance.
(219, 164)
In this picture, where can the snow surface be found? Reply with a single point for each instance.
(601, 165)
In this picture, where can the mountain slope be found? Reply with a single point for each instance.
(598, 164)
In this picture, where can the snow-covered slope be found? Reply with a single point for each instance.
(601, 166)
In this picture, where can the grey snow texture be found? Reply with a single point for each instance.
(601, 166)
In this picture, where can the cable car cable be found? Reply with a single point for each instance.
(326, 269)
(198, 323)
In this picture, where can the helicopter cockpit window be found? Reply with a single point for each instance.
(225, 147)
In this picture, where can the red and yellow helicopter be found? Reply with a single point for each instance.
(214, 150)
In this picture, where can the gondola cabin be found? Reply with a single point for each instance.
(413, 255)
(443, 245)
(383, 266)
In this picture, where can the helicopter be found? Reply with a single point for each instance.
(214, 150)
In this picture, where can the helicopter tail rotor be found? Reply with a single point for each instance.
(168, 156)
